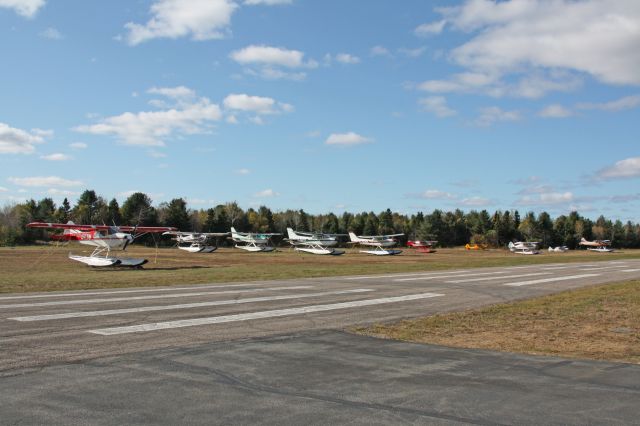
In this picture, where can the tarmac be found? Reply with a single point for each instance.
(273, 352)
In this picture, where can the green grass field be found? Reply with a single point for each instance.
(47, 268)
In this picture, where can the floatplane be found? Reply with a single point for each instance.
(314, 242)
(524, 247)
(381, 243)
(104, 238)
(251, 241)
(601, 246)
(195, 242)
(559, 249)
(422, 246)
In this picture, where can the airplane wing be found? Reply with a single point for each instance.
(208, 234)
(45, 225)
(145, 229)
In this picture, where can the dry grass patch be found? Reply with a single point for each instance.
(601, 322)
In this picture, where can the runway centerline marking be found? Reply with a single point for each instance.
(157, 296)
(629, 270)
(549, 280)
(430, 277)
(259, 315)
(602, 268)
(371, 277)
(142, 290)
(183, 306)
(495, 278)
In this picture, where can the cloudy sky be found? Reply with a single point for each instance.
(325, 105)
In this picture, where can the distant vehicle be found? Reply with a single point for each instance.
(251, 241)
(195, 242)
(559, 249)
(475, 246)
(601, 246)
(422, 246)
(314, 242)
(104, 238)
(380, 243)
(524, 247)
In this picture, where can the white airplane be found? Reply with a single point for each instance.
(524, 247)
(195, 242)
(559, 249)
(600, 246)
(251, 241)
(104, 238)
(381, 243)
(314, 243)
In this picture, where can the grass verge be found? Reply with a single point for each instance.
(601, 322)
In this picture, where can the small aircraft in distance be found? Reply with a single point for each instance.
(422, 246)
(313, 242)
(601, 246)
(104, 238)
(251, 241)
(381, 243)
(524, 247)
(475, 246)
(195, 242)
(559, 249)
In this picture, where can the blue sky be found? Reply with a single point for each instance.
(325, 105)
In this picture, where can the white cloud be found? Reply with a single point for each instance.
(267, 193)
(44, 181)
(232, 119)
(555, 111)
(61, 192)
(269, 61)
(179, 92)
(434, 194)
(52, 34)
(475, 202)
(200, 19)
(547, 44)
(56, 157)
(255, 104)
(491, 115)
(242, 171)
(430, 28)
(412, 53)
(437, 105)
(267, 2)
(379, 51)
(628, 102)
(346, 58)
(157, 154)
(347, 139)
(623, 169)
(26, 8)
(547, 199)
(78, 145)
(152, 128)
(3, 189)
(18, 141)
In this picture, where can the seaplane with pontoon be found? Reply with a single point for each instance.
(524, 247)
(558, 249)
(195, 242)
(252, 241)
(600, 246)
(104, 238)
(314, 242)
(381, 244)
(422, 246)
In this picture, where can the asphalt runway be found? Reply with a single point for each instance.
(50, 338)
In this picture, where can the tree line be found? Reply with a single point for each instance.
(450, 228)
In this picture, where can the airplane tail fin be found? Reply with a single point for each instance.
(292, 234)
(354, 238)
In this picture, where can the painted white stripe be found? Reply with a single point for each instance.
(428, 277)
(603, 268)
(259, 315)
(182, 306)
(630, 270)
(550, 280)
(371, 277)
(145, 290)
(157, 296)
(497, 278)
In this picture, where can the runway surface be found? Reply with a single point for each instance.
(52, 328)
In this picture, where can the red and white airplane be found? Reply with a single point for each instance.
(602, 246)
(380, 243)
(104, 238)
(422, 246)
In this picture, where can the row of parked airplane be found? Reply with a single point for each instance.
(531, 247)
(105, 238)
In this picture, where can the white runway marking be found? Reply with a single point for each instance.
(431, 277)
(259, 315)
(158, 296)
(371, 277)
(602, 268)
(629, 270)
(549, 280)
(145, 290)
(182, 306)
(496, 278)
